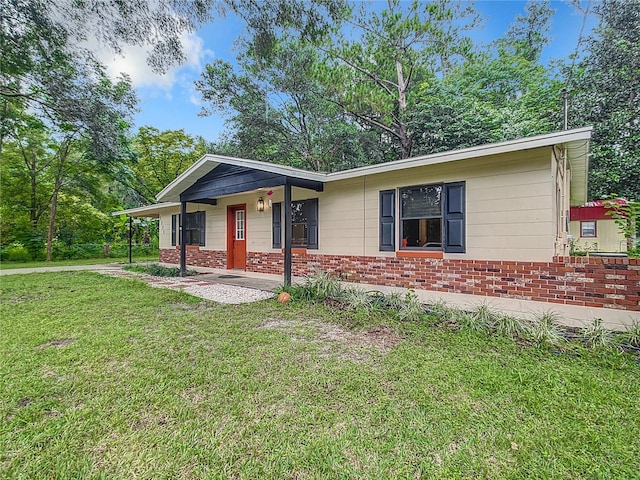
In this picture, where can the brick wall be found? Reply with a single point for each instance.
(592, 282)
(195, 256)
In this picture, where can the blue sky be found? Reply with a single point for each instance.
(170, 101)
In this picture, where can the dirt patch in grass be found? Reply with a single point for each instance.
(192, 307)
(58, 343)
(380, 338)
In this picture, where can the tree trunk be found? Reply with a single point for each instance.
(406, 142)
(52, 219)
(33, 215)
(63, 154)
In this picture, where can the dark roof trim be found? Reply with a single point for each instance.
(229, 179)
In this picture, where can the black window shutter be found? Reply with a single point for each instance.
(312, 223)
(202, 224)
(454, 224)
(276, 225)
(387, 220)
(173, 230)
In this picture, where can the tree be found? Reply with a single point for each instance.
(160, 157)
(40, 39)
(373, 71)
(604, 90)
(278, 113)
(500, 93)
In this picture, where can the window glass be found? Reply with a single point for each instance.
(304, 224)
(421, 216)
(424, 201)
(194, 225)
(588, 229)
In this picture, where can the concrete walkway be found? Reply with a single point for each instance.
(60, 268)
(237, 278)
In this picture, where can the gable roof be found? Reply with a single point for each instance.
(576, 140)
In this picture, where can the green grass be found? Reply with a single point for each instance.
(106, 377)
(83, 261)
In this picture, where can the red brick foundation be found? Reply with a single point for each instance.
(196, 257)
(582, 281)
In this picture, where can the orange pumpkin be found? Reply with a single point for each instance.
(284, 297)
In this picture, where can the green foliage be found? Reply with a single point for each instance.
(510, 326)
(545, 330)
(597, 336)
(15, 252)
(323, 284)
(412, 310)
(627, 218)
(632, 334)
(154, 269)
(603, 88)
(471, 322)
(159, 157)
(358, 299)
(445, 312)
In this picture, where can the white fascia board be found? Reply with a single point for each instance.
(271, 167)
(171, 192)
(147, 210)
(546, 140)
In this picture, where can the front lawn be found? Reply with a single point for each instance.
(106, 377)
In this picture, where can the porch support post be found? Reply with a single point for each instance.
(183, 239)
(130, 237)
(287, 233)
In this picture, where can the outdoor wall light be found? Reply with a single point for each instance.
(260, 205)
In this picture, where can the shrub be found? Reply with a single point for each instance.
(470, 321)
(357, 299)
(631, 336)
(411, 310)
(15, 252)
(597, 336)
(155, 269)
(545, 330)
(510, 326)
(445, 312)
(324, 284)
(484, 316)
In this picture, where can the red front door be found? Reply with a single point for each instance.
(237, 237)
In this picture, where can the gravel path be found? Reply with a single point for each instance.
(217, 292)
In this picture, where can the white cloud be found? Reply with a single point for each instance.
(133, 62)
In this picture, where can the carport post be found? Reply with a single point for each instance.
(183, 239)
(287, 233)
(130, 237)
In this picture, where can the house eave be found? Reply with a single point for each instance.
(148, 210)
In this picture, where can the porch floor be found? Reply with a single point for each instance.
(239, 278)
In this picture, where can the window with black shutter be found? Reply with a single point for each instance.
(194, 226)
(432, 217)
(304, 224)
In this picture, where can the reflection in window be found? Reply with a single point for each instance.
(421, 216)
(299, 223)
